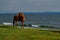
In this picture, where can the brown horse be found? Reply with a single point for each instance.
(19, 17)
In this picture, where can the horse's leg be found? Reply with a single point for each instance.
(22, 22)
(16, 24)
(13, 23)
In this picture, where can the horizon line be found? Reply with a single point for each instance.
(30, 11)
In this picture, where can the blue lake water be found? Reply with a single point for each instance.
(36, 19)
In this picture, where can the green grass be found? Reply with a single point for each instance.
(28, 34)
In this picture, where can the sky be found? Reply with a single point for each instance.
(29, 5)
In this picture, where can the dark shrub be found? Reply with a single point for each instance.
(46, 26)
(25, 25)
(30, 25)
(43, 26)
(4, 26)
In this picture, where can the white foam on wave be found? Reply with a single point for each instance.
(35, 25)
(7, 23)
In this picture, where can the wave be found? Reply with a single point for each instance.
(7, 23)
(35, 25)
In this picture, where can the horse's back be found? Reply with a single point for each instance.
(21, 16)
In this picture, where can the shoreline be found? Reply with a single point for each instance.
(41, 28)
(31, 27)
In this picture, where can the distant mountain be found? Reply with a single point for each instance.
(41, 12)
(35, 13)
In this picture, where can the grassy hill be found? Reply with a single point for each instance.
(28, 34)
